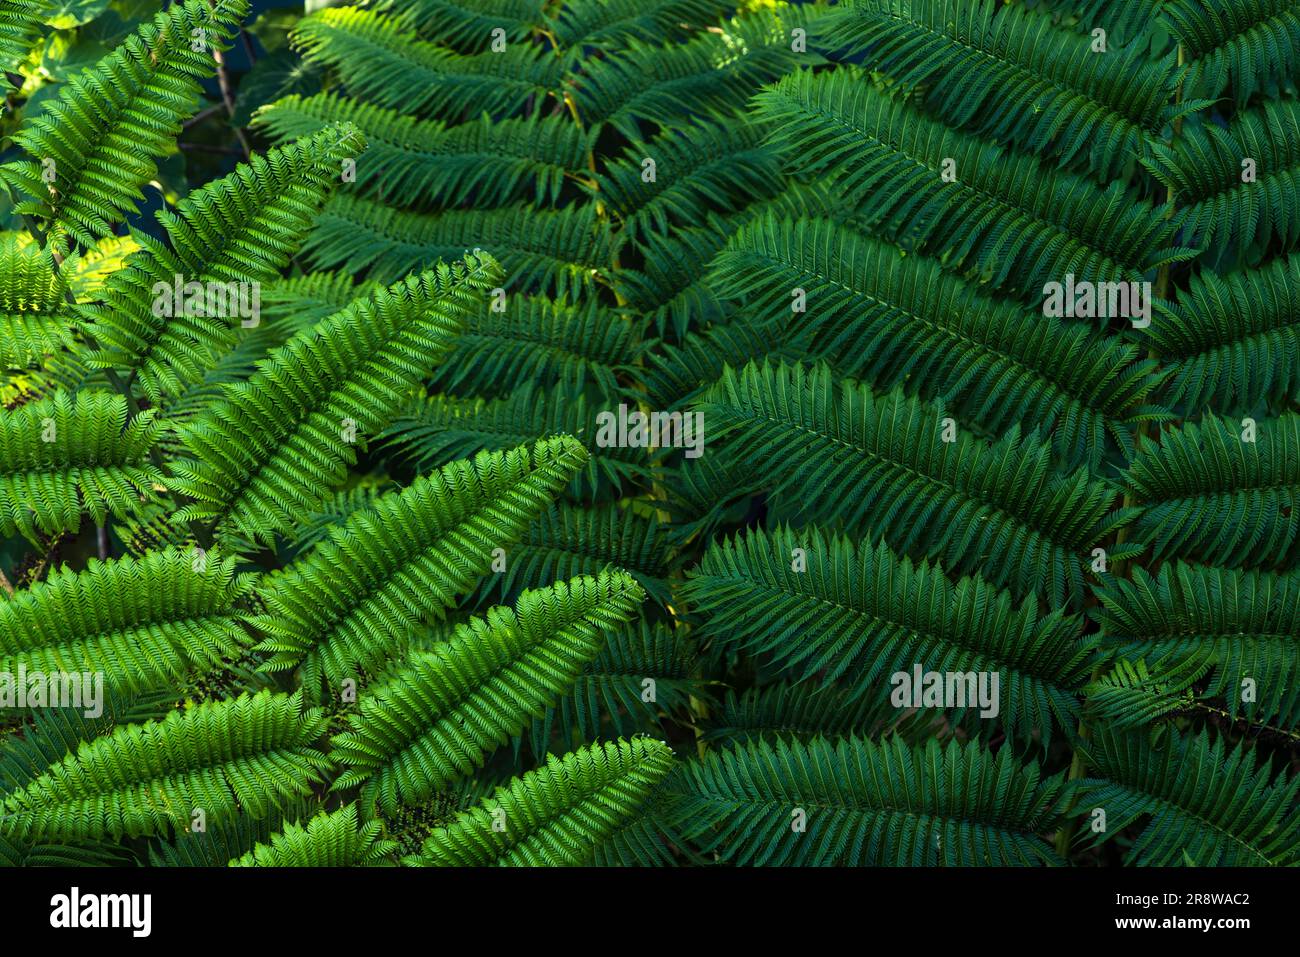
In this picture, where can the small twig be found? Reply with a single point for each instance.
(223, 81)
(202, 115)
(248, 47)
(5, 587)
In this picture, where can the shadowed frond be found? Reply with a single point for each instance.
(380, 59)
(901, 319)
(1240, 47)
(438, 429)
(556, 252)
(422, 164)
(468, 25)
(1023, 79)
(718, 70)
(532, 339)
(1239, 184)
(1205, 800)
(1222, 492)
(866, 804)
(1245, 625)
(837, 614)
(832, 450)
(1002, 217)
(1232, 340)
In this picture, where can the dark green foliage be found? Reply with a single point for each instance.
(1206, 801)
(878, 464)
(857, 614)
(868, 804)
(387, 574)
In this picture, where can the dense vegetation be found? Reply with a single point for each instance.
(532, 432)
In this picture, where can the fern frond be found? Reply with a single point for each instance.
(783, 709)
(610, 23)
(716, 71)
(468, 26)
(1056, 222)
(1130, 695)
(70, 454)
(438, 429)
(679, 371)
(855, 615)
(1240, 47)
(866, 804)
(1213, 494)
(140, 623)
(354, 601)
(220, 843)
(1232, 340)
(110, 122)
(612, 689)
(1125, 21)
(1024, 80)
(1206, 800)
(447, 709)
(248, 754)
(671, 286)
(555, 252)
(422, 164)
(20, 25)
(832, 450)
(570, 540)
(328, 840)
(901, 319)
(557, 815)
(278, 442)
(552, 344)
(1224, 214)
(241, 229)
(716, 166)
(1245, 625)
(380, 59)
(299, 302)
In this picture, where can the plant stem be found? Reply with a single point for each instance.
(1078, 763)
